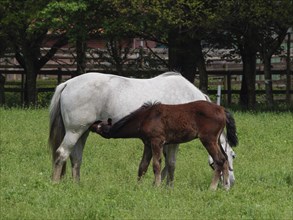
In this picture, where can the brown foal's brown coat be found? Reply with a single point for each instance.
(158, 124)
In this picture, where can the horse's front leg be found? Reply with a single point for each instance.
(157, 149)
(76, 156)
(145, 161)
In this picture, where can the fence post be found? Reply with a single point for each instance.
(22, 93)
(2, 92)
(229, 88)
(219, 95)
(288, 72)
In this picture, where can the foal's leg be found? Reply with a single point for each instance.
(145, 161)
(170, 153)
(221, 168)
(63, 153)
(226, 179)
(221, 163)
(76, 156)
(157, 149)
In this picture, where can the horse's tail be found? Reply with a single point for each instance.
(231, 129)
(56, 129)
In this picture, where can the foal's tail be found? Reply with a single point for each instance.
(231, 129)
(56, 129)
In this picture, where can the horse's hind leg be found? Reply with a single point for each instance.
(76, 156)
(165, 169)
(170, 153)
(63, 152)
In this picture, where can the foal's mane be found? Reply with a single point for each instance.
(119, 124)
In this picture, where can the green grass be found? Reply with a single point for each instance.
(108, 187)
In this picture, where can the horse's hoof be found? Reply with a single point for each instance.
(170, 185)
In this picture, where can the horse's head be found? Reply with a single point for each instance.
(231, 156)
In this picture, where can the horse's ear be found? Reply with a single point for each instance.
(109, 121)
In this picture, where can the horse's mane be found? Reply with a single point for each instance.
(119, 124)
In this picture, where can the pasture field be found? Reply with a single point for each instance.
(108, 187)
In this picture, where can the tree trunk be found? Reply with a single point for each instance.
(29, 58)
(80, 56)
(175, 61)
(288, 71)
(30, 94)
(268, 81)
(244, 91)
(185, 55)
(31, 71)
(247, 92)
(268, 46)
(200, 64)
(248, 49)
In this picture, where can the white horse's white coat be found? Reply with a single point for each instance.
(81, 101)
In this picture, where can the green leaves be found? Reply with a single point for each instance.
(62, 16)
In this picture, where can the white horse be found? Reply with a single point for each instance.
(83, 100)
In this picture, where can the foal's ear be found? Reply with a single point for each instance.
(109, 121)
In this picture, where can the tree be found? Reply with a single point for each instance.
(67, 19)
(85, 19)
(181, 25)
(18, 22)
(272, 31)
(4, 46)
(239, 28)
(269, 43)
(255, 26)
(196, 20)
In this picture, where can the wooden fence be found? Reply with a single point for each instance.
(229, 80)
(224, 73)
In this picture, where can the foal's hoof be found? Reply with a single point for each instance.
(156, 184)
(227, 187)
(55, 181)
(213, 188)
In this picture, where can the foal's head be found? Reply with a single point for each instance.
(102, 127)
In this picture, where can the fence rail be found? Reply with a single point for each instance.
(227, 79)
(226, 73)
